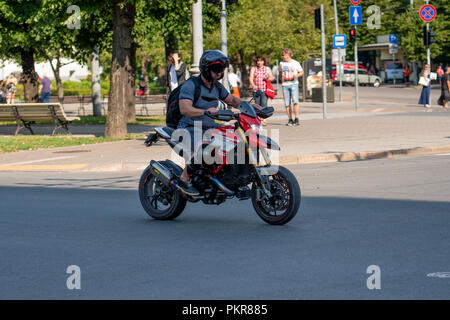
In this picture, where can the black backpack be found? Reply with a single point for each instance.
(173, 114)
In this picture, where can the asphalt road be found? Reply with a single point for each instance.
(394, 214)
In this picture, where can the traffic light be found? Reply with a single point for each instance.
(317, 23)
(428, 37)
(352, 35)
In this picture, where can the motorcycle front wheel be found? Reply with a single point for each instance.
(161, 202)
(285, 201)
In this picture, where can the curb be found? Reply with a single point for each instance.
(302, 159)
(360, 156)
(285, 160)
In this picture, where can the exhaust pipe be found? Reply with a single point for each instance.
(161, 172)
(220, 185)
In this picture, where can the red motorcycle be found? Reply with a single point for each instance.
(275, 194)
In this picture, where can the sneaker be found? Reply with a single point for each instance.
(290, 123)
(187, 188)
(296, 123)
(427, 106)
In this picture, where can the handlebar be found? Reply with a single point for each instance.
(228, 115)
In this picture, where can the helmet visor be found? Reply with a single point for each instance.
(217, 68)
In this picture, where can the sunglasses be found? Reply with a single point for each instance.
(217, 68)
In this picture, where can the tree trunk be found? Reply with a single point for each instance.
(95, 84)
(144, 72)
(131, 107)
(243, 67)
(170, 44)
(58, 78)
(122, 80)
(30, 81)
(56, 73)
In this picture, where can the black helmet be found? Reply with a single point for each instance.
(212, 59)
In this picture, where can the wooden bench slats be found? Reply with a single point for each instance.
(30, 112)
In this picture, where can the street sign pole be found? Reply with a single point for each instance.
(224, 42)
(324, 73)
(393, 61)
(356, 72)
(339, 70)
(428, 47)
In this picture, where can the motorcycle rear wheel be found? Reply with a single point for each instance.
(286, 198)
(158, 200)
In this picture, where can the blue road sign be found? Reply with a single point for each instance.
(355, 15)
(340, 41)
(393, 38)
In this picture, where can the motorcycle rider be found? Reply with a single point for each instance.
(212, 65)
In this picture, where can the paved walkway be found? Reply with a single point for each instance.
(348, 136)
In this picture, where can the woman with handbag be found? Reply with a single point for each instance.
(425, 81)
(258, 77)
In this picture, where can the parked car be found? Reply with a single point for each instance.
(393, 70)
(365, 78)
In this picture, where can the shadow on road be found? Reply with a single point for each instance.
(216, 252)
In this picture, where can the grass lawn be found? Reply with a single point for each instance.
(17, 143)
(87, 120)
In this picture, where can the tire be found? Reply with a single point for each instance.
(147, 186)
(376, 84)
(283, 178)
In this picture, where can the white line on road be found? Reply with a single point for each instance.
(41, 160)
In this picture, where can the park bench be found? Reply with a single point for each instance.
(26, 114)
(149, 99)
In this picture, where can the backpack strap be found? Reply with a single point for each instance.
(198, 89)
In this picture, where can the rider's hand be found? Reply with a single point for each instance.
(254, 87)
(213, 111)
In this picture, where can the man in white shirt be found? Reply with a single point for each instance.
(290, 70)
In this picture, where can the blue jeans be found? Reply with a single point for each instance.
(290, 92)
(45, 97)
(260, 98)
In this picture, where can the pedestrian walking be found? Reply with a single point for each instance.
(289, 71)
(45, 88)
(258, 77)
(440, 72)
(426, 87)
(445, 91)
(406, 74)
(177, 72)
(3, 92)
(142, 86)
(234, 82)
(11, 88)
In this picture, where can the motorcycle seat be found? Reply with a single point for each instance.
(165, 132)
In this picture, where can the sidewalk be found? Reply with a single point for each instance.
(344, 136)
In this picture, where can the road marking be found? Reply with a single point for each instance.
(55, 167)
(41, 160)
(443, 154)
(439, 275)
(378, 110)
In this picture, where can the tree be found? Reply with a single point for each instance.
(19, 39)
(121, 95)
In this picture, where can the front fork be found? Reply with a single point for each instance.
(261, 179)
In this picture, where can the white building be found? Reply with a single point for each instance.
(72, 71)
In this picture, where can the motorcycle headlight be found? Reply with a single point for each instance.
(257, 128)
